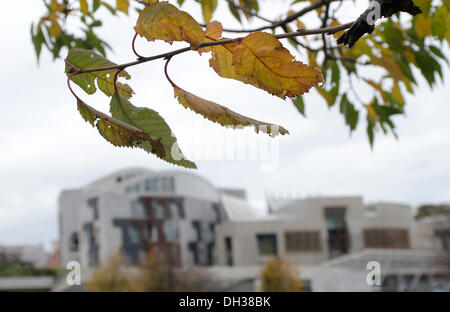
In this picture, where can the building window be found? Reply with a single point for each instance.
(138, 210)
(302, 241)
(386, 238)
(229, 251)
(73, 241)
(134, 234)
(93, 203)
(170, 230)
(158, 209)
(198, 229)
(444, 235)
(267, 244)
(148, 186)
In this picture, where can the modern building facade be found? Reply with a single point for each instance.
(193, 223)
(133, 210)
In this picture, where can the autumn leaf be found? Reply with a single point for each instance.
(164, 21)
(223, 115)
(214, 30)
(260, 60)
(86, 59)
(222, 60)
(122, 5)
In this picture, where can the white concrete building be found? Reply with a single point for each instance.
(194, 223)
(135, 209)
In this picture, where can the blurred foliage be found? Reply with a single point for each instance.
(432, 211)
(156, 274)
(280, 275)
(8, 269)
(110, 277)
(402, 50)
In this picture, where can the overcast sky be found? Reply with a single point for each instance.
(47, 147)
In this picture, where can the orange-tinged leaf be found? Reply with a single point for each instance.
(223, 115)
(164, 21)
(261, 60)
(214, 30)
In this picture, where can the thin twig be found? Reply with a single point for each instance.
(302, 32)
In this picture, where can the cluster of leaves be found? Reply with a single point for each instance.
(400, 49)
(259, 59)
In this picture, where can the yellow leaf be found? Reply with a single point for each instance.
(55, 29)
(371, 113)
(56, 7)
(300, 25)
(447, 33)
(122, 5)
(84, 7)
(422, 25)
(397, 94)
(223, 115)
(164, 21)
(222, 60)
(214, 30)
(261, 60)
(208, 8)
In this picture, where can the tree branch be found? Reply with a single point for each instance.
(167, 55)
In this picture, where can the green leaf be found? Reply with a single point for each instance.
(150, 122)
(438, 53)
(38, 39)
(87, 59)
(428, 66)
(115, 131)
(351, 115)
(299, 103)
(439, 22)
(234, 11)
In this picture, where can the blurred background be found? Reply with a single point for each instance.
(306, 212)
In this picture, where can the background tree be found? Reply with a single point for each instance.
(406, 43)
(110, 277)
(279, 274)
(159, 274)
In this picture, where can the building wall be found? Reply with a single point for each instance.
(96, 211)
(70, 202)
(308, 216)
